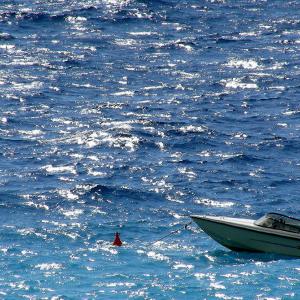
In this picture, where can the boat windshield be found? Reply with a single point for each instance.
(280, 222)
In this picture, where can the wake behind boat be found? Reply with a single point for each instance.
(274, 233)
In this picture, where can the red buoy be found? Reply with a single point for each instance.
(117, 241)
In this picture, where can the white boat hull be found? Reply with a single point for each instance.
(244, 235)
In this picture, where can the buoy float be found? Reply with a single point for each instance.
(117, 241)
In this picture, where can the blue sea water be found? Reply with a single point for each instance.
(131, 115)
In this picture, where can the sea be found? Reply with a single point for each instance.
(129, 116)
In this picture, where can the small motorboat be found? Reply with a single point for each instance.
(274, 233)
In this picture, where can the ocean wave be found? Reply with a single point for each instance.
(178, 44)
(32, 16)
(107, 193)
(128, 116)
(236, 83)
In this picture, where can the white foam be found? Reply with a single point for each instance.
(187, 172)
(115, 284)
(182, 266)
(183, 45)
(284, 125)
(142, 33)
(27, 86)
(34, 132)
(157, 256)
(154, 87)
(160, 145)
(122, 125)
(48, 266)
(291, 112)
(124, 93)
(7, 47)
(192, 129)
(245, 64)
(236, 83)
(37, 205)
(4, 120)
(104, 246)
(125, 42)
(31, 231)
(217, 286)
(75, 20)
(214, 203)
(59, 169)
(72, 213)
(19, 285)
(68, 194)
(28, 253)
(205, 153)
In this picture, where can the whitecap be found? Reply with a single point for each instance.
(179, 87)
(68, 194)
(229, 275)
(59, 169)
(157, 256)
(187, 75)
(277, 88)
(182, 44)
(217, 286)
(4, 120)
(125, 42)
(228, 155)
(192, 129)
(240, 135)
(142, 33)
(214, 203)
(75, 20)
(278, 66)
(31, 231)
(97, 173)
(160, 145)
(256, 173)
(19, 285)
(205, 153)
(27, 86)
(115, 284)
(124, 93)
(291, 112)
(37, 205)
(7, 47)
(250, 33)
(284, 125)
(72, 213)
(77, 155)
(62, 120)
(48, 266)
(34, 132)
(223, 296)
(235, 83)
(189, 173)
(182, 266)
(173, 199)
(155, 87)
(123, 142)
(104, 246)
(245, 64)
(123, 125)
(93, 157)
(201, 275)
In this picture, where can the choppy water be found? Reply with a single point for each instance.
(130, 115)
